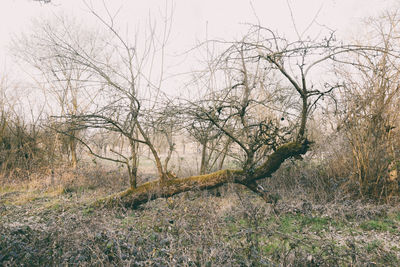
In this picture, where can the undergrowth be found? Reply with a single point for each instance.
(58, 226)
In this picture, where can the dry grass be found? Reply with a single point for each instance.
(44, 223)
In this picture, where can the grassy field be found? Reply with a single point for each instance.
(56, 225)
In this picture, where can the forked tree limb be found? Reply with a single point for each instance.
(158, 189)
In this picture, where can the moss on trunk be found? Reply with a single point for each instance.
(168, 188)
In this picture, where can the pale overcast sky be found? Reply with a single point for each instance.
(225, 18)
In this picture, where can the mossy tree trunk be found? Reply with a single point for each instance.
(157, 189)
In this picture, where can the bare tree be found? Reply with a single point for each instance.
(122, 72)
(270, 89)
(61, 79)
(212, 144)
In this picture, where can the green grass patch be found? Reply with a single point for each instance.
(87, 211)
(296, 223)
(271, 247)
(397, 216)
(56, 206)
(316, 223)
(371, 247)
(289, 223)
(377, 225)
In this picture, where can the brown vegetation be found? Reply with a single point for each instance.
(317, 116)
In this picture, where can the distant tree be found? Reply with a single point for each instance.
(369, 116)
(63, 78)
(121, 74)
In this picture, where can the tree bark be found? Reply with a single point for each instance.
(203, 164)
(157, 189)
(72, 148)
(133, 169)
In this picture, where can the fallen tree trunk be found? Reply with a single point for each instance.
(157, 189)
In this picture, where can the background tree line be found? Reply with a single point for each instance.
(252, 106)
